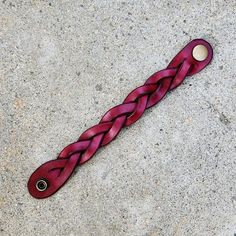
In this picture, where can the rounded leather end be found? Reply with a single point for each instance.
(188, 54)
(54, 173)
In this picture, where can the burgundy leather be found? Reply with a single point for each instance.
(57, 172)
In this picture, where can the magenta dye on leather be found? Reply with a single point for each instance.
(52, 175)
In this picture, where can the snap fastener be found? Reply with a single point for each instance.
(200, 53)
(41, 185)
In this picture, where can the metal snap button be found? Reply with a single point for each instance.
(41, 185)
(200, 53)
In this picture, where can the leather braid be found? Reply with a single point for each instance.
(124, 114)
(56, 172)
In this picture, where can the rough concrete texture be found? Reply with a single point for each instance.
(64, 63)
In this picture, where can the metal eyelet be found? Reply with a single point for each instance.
(41, 185)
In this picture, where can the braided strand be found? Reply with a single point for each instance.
(56, 172)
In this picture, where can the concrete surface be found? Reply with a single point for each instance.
(63, 64)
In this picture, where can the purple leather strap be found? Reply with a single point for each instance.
(50, 176)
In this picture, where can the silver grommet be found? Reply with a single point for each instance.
(200, 53)
(41, 185)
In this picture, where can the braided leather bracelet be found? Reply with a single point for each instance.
(50, 176)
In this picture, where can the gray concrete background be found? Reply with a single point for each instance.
(63, 64)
